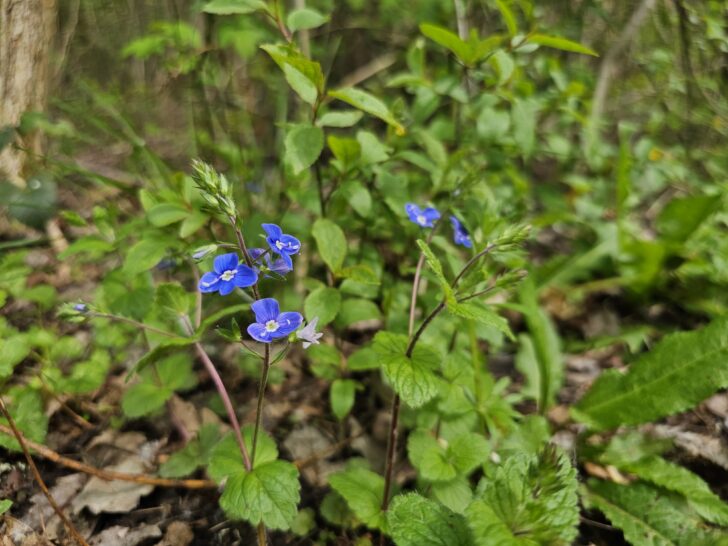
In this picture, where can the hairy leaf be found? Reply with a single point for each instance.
(416, 521)
(363, 491)
(679, 372)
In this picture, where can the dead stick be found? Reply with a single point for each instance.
(108, 475)
(71, 529)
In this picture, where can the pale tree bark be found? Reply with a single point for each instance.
(27, 29)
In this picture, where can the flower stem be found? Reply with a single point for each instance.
(222, 391)
(261, 395)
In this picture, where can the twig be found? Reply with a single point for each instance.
(108, 475)
(71, 528)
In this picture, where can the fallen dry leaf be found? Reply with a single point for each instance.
(125, 536)
(178, 534)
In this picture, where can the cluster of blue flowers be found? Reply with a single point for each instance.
(230, 273)
(427, 218)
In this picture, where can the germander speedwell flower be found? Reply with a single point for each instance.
(423, 218)
(228, 274)
(460, 234)
(282, 243)
(309, 335)
(270, 324)
(278, 266)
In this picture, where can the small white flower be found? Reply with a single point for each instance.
(309, 335)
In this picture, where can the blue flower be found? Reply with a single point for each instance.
(278, 266)
(81, 308)
(281, 243)
(228, 273)
(423, 218)
(270, 323)
(460, 234)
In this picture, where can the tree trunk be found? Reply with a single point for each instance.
(27, 28)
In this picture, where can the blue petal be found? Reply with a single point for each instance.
(245, 276)
(225, 262)
(413, 211)
(286, 261)
(431, 214)
(292, 245)
(259, 333)
(226, 287)
(287, 323)
(280, 266)
(208, 283)
(265, 310)
(273, 231)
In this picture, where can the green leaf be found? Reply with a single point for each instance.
(144, 255)
(214, 318)
(365, 358)
(682, 217)
(342, 396)
(324, 303)
(546, 344)
(524, 115)
(331, 243)
(481, 314)
(194, 455)
(448, 40)
(269, 493)
(676, 478)
(508, 18)
(436, 267)
(363, 491)
(165, 348)
(164, 214)
(355, 310)
(302, 74)
(679, 372)
(144, 398)
(368, 103)
(530, 500)
(304, 18)
(648, 516)
(416, 521)
(174, 300)
(26, 409)
(13, 351)
(5, 504)
(303, 145)
(234, 7)
(226, 459)
(346, 150)
(561, 43)
(339, 118)
(413, 379)
(438, 460)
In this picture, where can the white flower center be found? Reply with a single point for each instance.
(421, 220)
(271, 326)
(229, 274)
(279, 245)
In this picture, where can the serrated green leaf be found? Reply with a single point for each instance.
(331, 243)
(561, 43)
(679, 372)
(481, 314)
(226, 459)
(436, 267)
(648, 516)
(366, 102)
(530, 500)
(413, 379)
(165, 348)
(174, 299)
(26, 409)
(234, 7)
(144, 398)
(305, 18)
(363, 491)
(303, 145)
(324, 303)
(270, 493)
(342, 396)
(676, 478)
(416, 521)
(438, 460)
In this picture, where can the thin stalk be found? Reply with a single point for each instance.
(471, 262)
(36, 474)
(262, 538)
(118, 318)
(261, 395)
(222, 391)
(416, 282)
